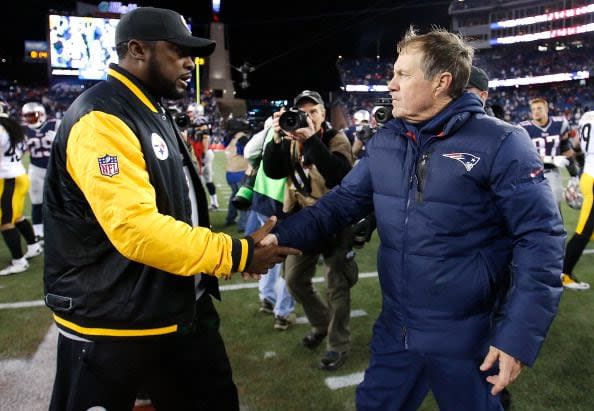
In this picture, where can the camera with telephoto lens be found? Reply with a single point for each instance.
(243, 198)
(364, 132)
(293, 119)
(182, 120)
(383, 110)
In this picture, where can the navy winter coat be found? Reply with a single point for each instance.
(471, 238)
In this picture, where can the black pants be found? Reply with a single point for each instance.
(178, 372)
(585, 226)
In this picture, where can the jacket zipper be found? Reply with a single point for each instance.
(411, 182)
(421, 175)
(404, 337)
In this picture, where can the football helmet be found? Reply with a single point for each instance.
(195, 110)
(33, 114)
(361, 115)
(573, 194)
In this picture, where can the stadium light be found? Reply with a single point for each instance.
(511, 82)
(556, 15)
(544, 35)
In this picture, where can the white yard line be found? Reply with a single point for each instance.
(27, 384)
(23, 304)
(230, 287)
(354, 314)
(335, 383)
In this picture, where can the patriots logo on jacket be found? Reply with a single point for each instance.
(108, 165)
(469, 160)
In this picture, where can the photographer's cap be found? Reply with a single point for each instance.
(478, 78)
(151, 24)
(309, 95)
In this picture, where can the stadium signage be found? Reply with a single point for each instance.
(511, 82)
(543, 35)
(116, 7)
(557, 15)
(549, 78)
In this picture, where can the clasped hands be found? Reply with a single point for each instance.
(267, 252)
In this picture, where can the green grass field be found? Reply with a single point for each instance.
(274, 372)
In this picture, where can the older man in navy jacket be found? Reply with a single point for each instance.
(471, 238)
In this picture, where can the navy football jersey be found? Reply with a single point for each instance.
(39, 142)
(547, 139)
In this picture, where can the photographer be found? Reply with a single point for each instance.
(359, 117)
(363, 132)
(198, 134)
(315, 158)
(266, 200)
(238, 134)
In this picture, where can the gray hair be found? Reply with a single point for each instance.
(442, 51)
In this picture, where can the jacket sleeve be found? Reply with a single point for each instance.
(331, 162)
(276, 159)
(125, 205)
(348, 202)
(533, 220)
(255, 146)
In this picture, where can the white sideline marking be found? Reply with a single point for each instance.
(269, 354)
(335, 383)
(23, 304)
(231, 287)
(354, 314)
(588, 251)
(27, 383)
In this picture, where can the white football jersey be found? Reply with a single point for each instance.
(10, 157)
(586, 130)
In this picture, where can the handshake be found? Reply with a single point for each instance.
(267, 252)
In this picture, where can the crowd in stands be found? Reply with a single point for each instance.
(471, 4)
(58, 97)
(570, 98)
(365, 70)
(525, 60)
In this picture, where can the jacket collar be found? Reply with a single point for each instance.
(117, 73)
(447, 121)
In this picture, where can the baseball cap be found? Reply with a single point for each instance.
(151, 23)
(478, 78)
(310, 95)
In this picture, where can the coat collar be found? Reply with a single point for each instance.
(117, 73)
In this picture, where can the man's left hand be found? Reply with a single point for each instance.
(509, 369)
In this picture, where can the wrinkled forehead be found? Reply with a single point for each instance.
(408, 59)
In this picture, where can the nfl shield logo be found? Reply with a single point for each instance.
(108, 165)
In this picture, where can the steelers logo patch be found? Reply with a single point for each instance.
(159, 146)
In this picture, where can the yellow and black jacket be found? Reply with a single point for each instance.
(121, 252)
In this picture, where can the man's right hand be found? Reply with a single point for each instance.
(275, 125)
(267, 256)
